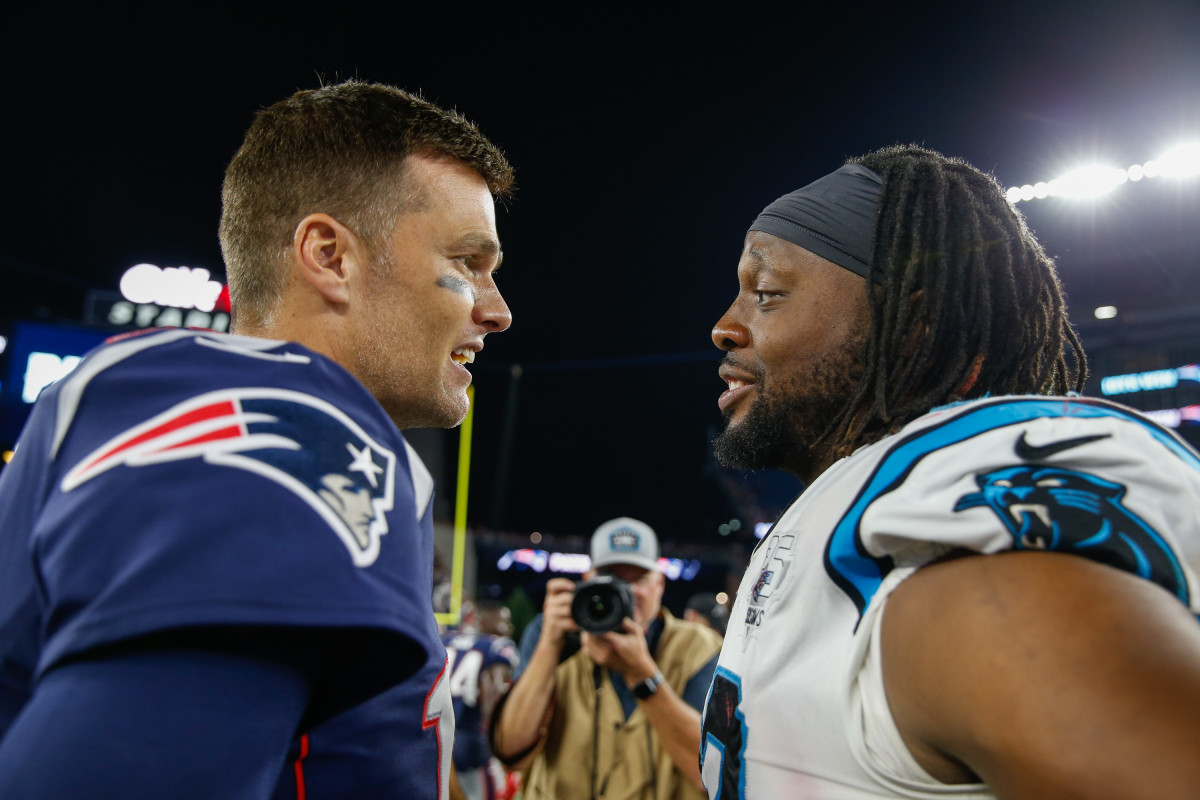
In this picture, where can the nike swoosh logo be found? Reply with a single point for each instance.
(1029, 452)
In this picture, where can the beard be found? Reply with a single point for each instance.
(397, 358)
(788, 423)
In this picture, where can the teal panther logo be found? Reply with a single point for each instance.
(1049, 508)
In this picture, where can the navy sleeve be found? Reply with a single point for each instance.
(696, 690)
(184, 724)
(197, 485)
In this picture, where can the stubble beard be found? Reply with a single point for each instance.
(786, 424)
(407, 398)
(386, 352)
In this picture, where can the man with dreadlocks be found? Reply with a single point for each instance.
(988, 587)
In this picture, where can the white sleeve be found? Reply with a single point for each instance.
(1112, 487)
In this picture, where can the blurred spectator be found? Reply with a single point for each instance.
(481, 658)
(703, 607)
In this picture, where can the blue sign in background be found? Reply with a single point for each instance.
(29, 338)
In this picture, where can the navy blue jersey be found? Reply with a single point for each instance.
(395, 745)
(179, 481)
(468, 656)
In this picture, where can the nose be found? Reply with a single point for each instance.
(729, 334)
(491, 311)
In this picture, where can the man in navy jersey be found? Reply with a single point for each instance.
(481, 657)
(216, 551)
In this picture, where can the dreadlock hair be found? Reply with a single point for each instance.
(970, 305)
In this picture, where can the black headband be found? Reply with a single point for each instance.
(833, 217)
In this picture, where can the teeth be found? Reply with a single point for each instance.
(1038, 510)
(463, 356)
(734, 384)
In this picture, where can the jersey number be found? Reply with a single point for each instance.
(723, 754)
(464, 675)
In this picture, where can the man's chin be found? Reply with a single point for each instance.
(449, 413)
(743, 445)
(455, 414)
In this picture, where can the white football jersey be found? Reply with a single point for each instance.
(797, 708)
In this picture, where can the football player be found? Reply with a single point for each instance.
(216, 549)
(481, 657)
(987, 588)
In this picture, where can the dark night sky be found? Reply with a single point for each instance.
(645, 141)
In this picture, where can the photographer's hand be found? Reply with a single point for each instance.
(676, 723)
(624, 651)
(556, 613)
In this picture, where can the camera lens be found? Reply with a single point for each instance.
(601, 604)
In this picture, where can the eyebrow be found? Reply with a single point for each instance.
(760, 255)
(481, 243)
(758, 261)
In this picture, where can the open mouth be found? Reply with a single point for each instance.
(463, 355)
(1018, 510)
(735, 388)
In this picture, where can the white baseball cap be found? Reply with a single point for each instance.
(625, 540)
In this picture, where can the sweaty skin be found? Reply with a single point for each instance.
(1029, 684)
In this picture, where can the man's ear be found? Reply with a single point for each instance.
(327, 253)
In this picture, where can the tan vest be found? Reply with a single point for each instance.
(630, 763)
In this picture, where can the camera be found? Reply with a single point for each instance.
(601, 604)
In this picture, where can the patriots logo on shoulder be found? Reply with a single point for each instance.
(1050, 508)
(299, 441)
(507, 650)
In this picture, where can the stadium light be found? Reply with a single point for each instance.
(1090, 181)
(1096, 180)
(1181, 161)
(1105, 312)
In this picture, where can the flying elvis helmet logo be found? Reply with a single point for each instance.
(1065, 510)
(302, 443)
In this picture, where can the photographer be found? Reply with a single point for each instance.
(620, 717)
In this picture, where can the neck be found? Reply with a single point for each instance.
(315, 329)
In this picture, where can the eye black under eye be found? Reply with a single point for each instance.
(455, 283)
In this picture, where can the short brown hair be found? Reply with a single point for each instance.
(338, 150)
